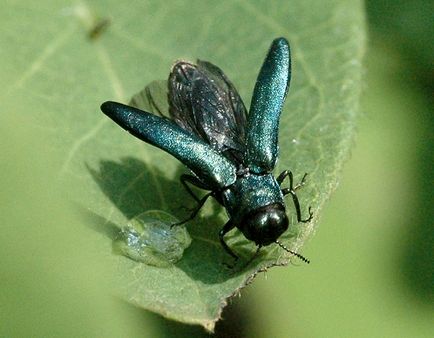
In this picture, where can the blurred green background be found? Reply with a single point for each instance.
(372, 271)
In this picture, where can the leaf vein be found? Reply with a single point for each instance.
(39, 62)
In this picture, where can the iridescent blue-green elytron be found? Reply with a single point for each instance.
(229, 152)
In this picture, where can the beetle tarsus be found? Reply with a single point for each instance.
(301, 183)
(309, 218)
(292, 191)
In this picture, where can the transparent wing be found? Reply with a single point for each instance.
(153, 99)
(204, 102)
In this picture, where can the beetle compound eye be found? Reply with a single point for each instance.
(150, 239)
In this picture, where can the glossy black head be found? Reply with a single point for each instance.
(265, 225)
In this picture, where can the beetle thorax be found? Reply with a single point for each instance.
(249, 193)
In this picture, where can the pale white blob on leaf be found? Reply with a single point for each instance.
(150, 238)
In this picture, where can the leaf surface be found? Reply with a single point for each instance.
(57, 71)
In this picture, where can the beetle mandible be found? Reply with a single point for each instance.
(230, 153)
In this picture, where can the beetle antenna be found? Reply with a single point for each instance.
(304, 259)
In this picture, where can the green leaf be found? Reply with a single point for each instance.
(57, 71)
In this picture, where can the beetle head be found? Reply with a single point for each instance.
(264, 225)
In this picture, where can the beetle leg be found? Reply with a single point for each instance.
(287, 173)
(301, 183)
(228, 227)
(282, 176)
(194, 212)
(310, 216)
(291, 190)
(185, 178)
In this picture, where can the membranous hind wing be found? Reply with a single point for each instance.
(152, 99)
(204, 102)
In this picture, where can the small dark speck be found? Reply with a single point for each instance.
(98, 28)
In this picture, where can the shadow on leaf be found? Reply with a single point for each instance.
(134, 187)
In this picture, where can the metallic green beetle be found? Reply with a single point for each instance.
(229, 152)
